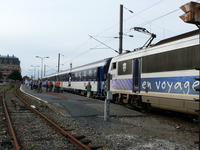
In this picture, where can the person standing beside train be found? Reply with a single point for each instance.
(50, 85)
(58, 86)
(39, 86)
(88, 89)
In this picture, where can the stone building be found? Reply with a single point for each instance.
(7, 65)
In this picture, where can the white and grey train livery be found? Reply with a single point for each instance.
(160, 76)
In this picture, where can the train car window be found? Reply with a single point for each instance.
(84, 75)
(79, 76)
(58, 77)
(114, 65)
(90, 74)
(72, 77)
(67, 77)
(125, 67)
(181, 59)
(75, 76)
(61, 78)
(94, 74)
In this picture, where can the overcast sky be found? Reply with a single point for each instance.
(43, 28)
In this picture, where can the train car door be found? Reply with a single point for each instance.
(99, 78)
(136, 74)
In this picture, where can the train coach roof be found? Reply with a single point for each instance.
(93, 64)
(96, 63)
(178, 37)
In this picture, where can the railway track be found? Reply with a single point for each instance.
(5, 137)
(32, 129)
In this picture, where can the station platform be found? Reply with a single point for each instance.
(71, 105)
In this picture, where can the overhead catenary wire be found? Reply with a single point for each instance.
(74, 50)
(103, 43)
(153, 20)
(113, 26)
(143, 10)
(148, 22)
(126, 31)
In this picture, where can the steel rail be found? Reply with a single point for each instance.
(70, 138)
(15, 142)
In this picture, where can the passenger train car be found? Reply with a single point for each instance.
(75, 79)
(161, 76)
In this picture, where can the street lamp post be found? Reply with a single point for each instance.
(41, 63)
(34, 70)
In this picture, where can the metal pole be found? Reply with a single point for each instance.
(70, 67)
(44, 70)
(59, 62)
(41, 67)
(121, 30)
(34, 72)
(107, 100)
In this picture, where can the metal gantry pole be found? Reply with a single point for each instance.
(59, 62)
(121, 29)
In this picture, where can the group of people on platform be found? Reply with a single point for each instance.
(49, 86)
(37, 85)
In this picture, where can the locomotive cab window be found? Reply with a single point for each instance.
(125, 67)
(114, 65)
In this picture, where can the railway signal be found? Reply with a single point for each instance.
(192, 13)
